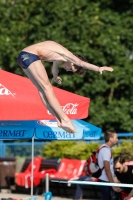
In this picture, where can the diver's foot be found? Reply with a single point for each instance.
(68, 126)
(58, 123)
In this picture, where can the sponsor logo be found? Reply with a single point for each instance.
(90, 134)
(25, 57)
(10, 123)
(5, 91)
(51, 135)
(69, 109)
(47, 123)
(12, 133)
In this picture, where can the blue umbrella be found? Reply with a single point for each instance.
(47, 130)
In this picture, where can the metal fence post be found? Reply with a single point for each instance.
(2, 149)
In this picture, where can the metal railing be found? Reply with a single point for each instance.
(20, 149)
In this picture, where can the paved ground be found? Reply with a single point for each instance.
(22, 196)
(6, 194)
(27, 197)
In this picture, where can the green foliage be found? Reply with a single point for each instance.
(82, 150)
(100, 30)
(124, 149)
(68, 149)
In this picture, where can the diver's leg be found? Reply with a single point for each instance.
(42, 95)
(36, 72)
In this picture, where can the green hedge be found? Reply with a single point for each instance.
(125, 149)
(82, 150)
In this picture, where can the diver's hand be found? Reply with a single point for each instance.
(101, 69)
(56, 80)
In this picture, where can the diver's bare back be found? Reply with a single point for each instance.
(49, 51)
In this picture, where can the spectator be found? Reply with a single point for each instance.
(105, 161)
(124, 174)
(79, 191)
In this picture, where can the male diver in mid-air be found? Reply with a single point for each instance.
(30, 61)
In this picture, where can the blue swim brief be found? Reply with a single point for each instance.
(26, 58)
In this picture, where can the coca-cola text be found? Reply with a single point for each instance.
(69, 109)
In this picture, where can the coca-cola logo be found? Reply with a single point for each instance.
(69, 109)
(5, 91)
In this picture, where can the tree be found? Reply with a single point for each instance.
(100, 30)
